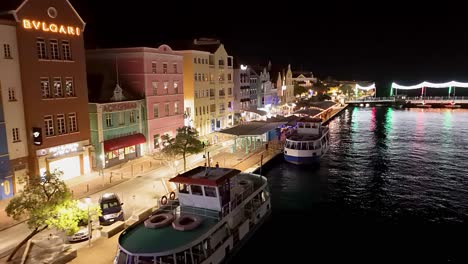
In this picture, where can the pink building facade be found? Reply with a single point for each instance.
(151, 73)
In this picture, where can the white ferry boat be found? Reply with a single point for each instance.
(308, 142)
(215, 212)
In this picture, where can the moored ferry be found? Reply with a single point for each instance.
(308, 142)
(213, 213)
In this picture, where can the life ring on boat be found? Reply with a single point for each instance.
(164, 200)
(159, 220)
(172, 196)
(186, 222)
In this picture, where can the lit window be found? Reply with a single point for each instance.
(176, 87)
(41, 49)
(58, 91)
(72, 122)
(49, 125)
(7, 51)
(166, 84)
(45, 88)
(154, 67)
(61, 129)
(54, 49)
(164, 68)
(155, 88)
(176, 108)
(11, 94)
(16, 137)
(108, 120)
(69, 90)
(66, 50)
(156, 141)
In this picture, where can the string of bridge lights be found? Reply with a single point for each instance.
(430, 85)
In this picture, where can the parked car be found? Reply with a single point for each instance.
(82, 234)
(111, 208)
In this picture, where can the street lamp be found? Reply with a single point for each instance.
(90, 229)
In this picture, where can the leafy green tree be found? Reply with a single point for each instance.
(71, 214)
(347, 89)
(38, 202)
(186, 142)
(168, 154)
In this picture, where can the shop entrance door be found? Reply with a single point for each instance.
(70, 167)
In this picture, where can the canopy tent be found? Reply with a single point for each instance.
(428, 85)
(365, 88)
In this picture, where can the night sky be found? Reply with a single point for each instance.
(382, 41)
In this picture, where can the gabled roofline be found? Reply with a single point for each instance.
(68, 2)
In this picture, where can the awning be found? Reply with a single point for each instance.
(122, 142)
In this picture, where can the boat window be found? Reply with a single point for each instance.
(198, 254)
(311, 145)
(183, 188)
(166, 260)
(210, 191)
(145, 260)
(307, 125)
(122, 258)
(196, 189)
(184, 257)
(304, 146)
(293, 145)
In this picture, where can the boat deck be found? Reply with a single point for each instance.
(138, 239)
(141, 240)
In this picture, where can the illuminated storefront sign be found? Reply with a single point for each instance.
(64, 149)
(118, 107)
(37, 136)
(43, 26)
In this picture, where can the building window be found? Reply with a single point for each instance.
(230, 105)
(229, 91)
(132, 117)
(221, 77)
(194, 60)
(212, 108)
(199, 61)
(122, 118)
(16, 137)
(108, 120)
(205, 110)
(54, 49)
(154, 67)
(58, 91)
(7, 51)
(66, 50)
(166, 84)
(155, 110)
(45, 88)
(176, 108)
(175, 67)
(221, 62)
(61, 129)
(155, 88)
(156, 141)
(195, 77)
(72, 122)
(41, 49)
(166, 108)
(49, 125)
(176, 87)
(69, 91)
(229, 76)
(11, 94)
(196, 94)
(164, 68)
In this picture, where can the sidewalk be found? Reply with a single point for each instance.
(93, 182)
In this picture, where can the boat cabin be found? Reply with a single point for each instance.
(309, 126)
(208, 187)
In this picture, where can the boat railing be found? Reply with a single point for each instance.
(229, 207)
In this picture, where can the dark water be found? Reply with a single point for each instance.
(392, 188)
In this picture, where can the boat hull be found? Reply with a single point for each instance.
(302, 160)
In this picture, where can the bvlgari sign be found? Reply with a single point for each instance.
(51, 27)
